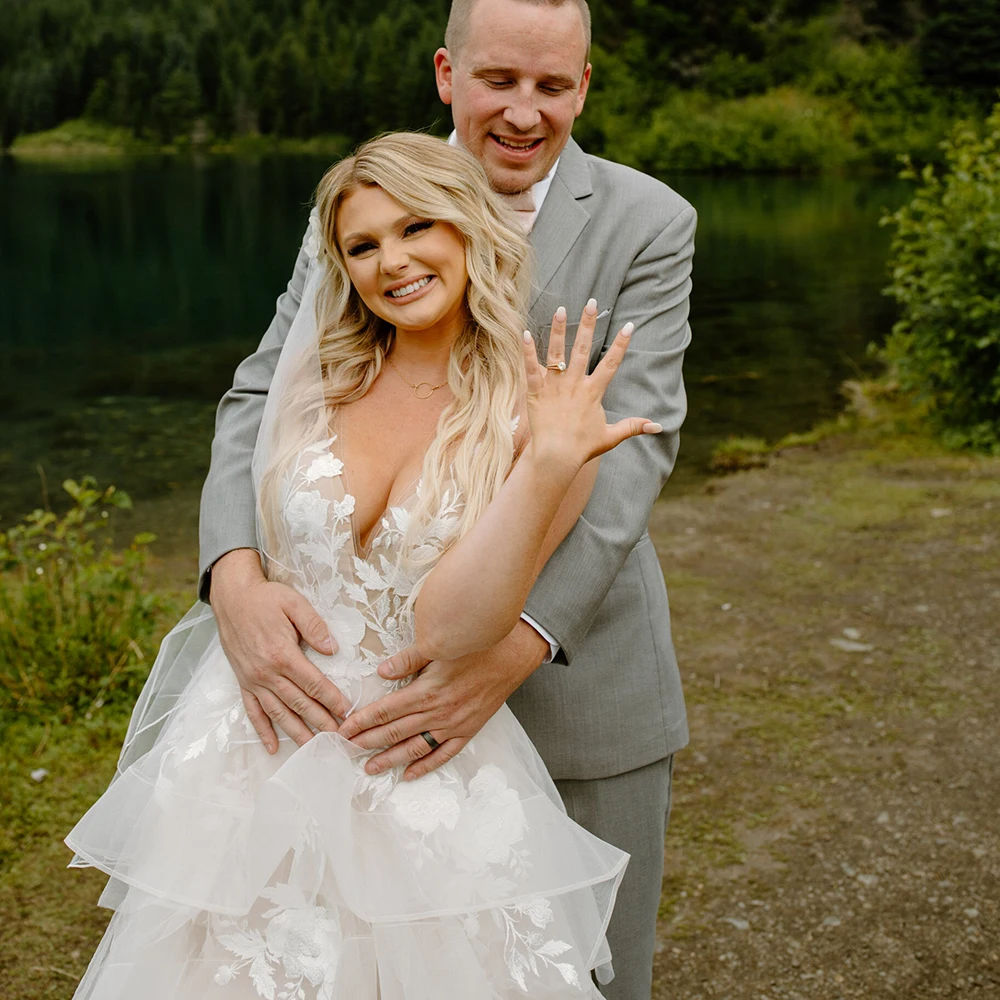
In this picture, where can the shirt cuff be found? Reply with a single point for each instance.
(553, 645)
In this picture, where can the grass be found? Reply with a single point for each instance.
(84, 140)
(49, 914)
(81, 138)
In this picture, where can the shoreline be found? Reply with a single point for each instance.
(77, 141)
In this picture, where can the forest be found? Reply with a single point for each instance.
(751, 84)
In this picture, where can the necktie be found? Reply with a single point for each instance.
(523, 204)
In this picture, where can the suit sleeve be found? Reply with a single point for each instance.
(654, 296)
(228, 517)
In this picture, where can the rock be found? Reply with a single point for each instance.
(971, 912)
(727, 606)
(831, 921)
(39, 774)
(738, 922)
(848, 646)
(883, 818)
(940, 512)
(852, 633)
(868, 881)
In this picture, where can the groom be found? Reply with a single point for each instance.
(607, 712)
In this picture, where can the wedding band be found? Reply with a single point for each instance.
(558, 366)
(431, 742)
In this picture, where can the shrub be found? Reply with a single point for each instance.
(737, 453)
(75, 624)
(945, 274)
(783, 129)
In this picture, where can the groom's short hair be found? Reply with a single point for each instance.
(458, 20)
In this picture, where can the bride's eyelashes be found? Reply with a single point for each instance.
(358, 249)
(418, 227)
(411, 230)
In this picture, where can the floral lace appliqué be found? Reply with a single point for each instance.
(300, 941)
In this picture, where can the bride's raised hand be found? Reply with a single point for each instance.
(567, 419)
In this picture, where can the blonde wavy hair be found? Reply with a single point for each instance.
(474, 444)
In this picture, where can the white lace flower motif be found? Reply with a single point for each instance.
(343, 509)
(495, 815)
(325, 467)
(538, 911)
(224, 975)
(347, 625)
(306, 512)
(425, 804)
(306, 942)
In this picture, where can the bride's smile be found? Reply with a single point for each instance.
(408, 270)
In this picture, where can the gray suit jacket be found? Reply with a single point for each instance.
(612, 701)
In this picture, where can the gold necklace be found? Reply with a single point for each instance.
(422, 390)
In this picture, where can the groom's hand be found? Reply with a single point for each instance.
(450, 699)
(260, 624)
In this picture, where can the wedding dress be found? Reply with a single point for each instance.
(239, 875)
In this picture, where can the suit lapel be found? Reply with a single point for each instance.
(562, 218)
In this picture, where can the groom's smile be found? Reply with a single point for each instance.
(517, 150)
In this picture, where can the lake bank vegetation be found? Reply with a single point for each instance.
(808, 86)
(942, 358)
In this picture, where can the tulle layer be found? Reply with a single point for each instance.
(236, 874)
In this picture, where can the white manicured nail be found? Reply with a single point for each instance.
(627, 329)
(653, 429)
(527, 336)
(561, 313)
(592, 307)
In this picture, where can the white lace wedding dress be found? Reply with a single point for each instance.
(237, 875)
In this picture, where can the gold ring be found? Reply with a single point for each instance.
(556, 366)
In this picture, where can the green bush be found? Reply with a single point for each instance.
(76, 627)
(738, 453)
(782, 130)
(945, 275)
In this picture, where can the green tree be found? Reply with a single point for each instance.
(960, 45)
(945, 269)
(234, 112)
(176, 106)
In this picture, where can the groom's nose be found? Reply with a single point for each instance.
(522, 111)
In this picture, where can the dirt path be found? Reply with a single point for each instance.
(836, 828)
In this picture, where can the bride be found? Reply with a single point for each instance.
(415, 468)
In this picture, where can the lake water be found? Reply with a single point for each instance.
(129, 292)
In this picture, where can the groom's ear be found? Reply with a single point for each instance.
(443, 74)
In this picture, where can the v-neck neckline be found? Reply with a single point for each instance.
(363, 550)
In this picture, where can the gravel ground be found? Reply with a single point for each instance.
(836, 826)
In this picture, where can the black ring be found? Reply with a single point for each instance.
(431, 742)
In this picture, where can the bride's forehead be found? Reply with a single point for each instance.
(369, 210)
(368, 201)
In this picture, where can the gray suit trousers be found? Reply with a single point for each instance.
(631, 811)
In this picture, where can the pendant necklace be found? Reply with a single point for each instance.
(422, 390)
